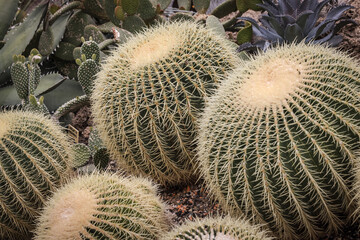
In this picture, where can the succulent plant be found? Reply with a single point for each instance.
(290, 21)
(81, 154)
(103, 206)
(98, 150)
(277, 141)
(89, 66)
(216, 228)
(35, 158)
(148, 95)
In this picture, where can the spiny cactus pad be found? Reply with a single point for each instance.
(34, 159)
(147, 97)
(217, 228)
(103, 206)
(277, 140)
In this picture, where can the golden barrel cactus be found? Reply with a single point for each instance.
(103, 206)
(148, 95)
(277, 140)
(35, 158)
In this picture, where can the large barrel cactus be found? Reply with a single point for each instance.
(149, 92)
(35, 158)
(103, 206)
(277, 140)
(217, 228)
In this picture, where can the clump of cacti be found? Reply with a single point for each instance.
(148, 95)
(277, 140)
(35, 158)
(103, 206)
(217, 228)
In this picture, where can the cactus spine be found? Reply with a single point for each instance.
(217, 228)
(277, 140)
(34, 159)
(147, 97)
(103, 206)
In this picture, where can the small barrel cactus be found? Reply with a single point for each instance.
(103, 206)
(148, 95)
(217, 228)
(277, 140)
(35, 158)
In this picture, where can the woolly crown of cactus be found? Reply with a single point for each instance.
(277, 140)
(35, 158)
(149, 92)
(217, 228)
(103, 206)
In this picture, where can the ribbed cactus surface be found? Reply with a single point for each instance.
(103, 206)
(148, 95)
(217, 228)
(277, 140)
(34, 160)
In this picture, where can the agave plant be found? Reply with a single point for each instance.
(297, 20)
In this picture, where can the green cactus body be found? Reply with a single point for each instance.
(147, 97)
(86, 75)
(34, 160)
(217, 228)
(81, 153)
(277, 140)
(103, 206)
(89, 48)
(20, 76)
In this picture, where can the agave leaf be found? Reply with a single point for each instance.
(293, 33)
(260, 31)
(7, 14)
(66, 91)
(58, 28)
(294, 4)
(302, 19)
(19, 37)
(49, 82)
(285, 7)
(8, 96)
(307, 5)
(286, 19)
(336, 13)
(272, 23)
(320, 29)
(334, 41)
(310, 23)
(271, 9)
(342, 23)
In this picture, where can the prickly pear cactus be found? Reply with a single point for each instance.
(277, 140)
(25, 74)
(148, 95)
(103, 206)
(34, 160)
(217, 228)
(81, 154)
(89, 65)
